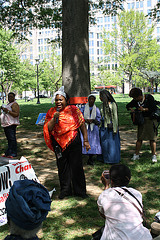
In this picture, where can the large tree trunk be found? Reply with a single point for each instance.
(75, 49)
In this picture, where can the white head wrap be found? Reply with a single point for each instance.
(91, 95)
(59, 92)
(88, 115)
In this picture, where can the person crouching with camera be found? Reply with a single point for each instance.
(121, 207)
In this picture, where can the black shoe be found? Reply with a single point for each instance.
(90, 162)
(62, 195)
(82, 195)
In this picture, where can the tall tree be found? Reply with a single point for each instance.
(23, 14)
(131, 44)
(9, 61)
(75, 48)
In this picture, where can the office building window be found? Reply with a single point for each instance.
(149, 21)
(46, 40)
(99, 36)
(91, 43)
(99, 20)
(158, 30)
(100, 51)
(46, 55)
(24, 56)
(31, 56)
(91, 35)
(91, 51)
(137, 4)
(149, 3)
(141, 4)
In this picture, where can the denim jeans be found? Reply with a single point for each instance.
(10, 133)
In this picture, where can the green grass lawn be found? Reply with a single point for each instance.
(74, 218)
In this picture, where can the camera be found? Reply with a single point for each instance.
(106, 174)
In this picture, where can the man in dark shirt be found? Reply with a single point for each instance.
(148, 130)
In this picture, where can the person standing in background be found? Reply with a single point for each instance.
(149, 130)
(92, 119)
(109, 133)
(9, 122)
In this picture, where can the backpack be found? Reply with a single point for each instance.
(156, 113)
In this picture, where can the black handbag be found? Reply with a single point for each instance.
(98, 234)
(156, 114)
(137, 117)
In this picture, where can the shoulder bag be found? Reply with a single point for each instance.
(137, 117)
(140, 210)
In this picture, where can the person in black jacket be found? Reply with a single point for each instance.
(148, 130)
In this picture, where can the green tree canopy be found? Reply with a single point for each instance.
(131, 45)
(9, 61)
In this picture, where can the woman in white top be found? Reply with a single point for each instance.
(9, 121)
(121, 207)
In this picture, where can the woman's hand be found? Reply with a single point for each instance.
(54, 120)
(85, 137)
(131, 109)
(89, 121)
(86, 145)
(5, 110)
(56, 116)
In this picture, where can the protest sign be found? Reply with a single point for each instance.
(41, 119)
(18, 170)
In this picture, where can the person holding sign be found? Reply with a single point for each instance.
(61, 134)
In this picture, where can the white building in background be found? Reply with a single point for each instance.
(39, 39)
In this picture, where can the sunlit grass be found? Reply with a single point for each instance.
(74, 218)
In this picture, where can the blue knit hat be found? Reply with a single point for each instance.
(28, 204)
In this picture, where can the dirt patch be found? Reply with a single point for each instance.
(44, 164)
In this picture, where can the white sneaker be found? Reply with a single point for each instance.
(135, 157)
(154, 158)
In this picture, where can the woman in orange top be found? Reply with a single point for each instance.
(61, 133)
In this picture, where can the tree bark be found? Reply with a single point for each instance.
(75, 48)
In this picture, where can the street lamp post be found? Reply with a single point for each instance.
(37, 63)
(123, 86)
(2, 73)
(25, 91)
